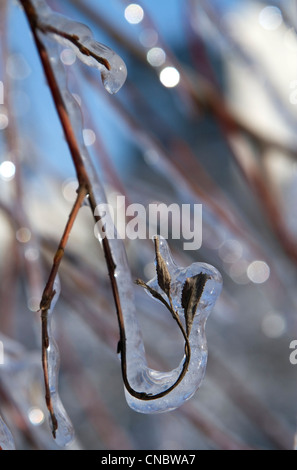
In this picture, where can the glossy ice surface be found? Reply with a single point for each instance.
(65, 431)
(151, 381)
(113, 74)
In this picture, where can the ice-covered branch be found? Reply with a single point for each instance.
(78, 37)
(189, 293)
(61, 426)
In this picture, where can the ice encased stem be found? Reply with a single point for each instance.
(151, 381)
(65, 432)
(140, 377)
(79, 38)
(112, 78)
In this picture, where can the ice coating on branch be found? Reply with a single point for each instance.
(179, 275)
(6, 439)
(79, 38)
(153, 381)
(141, 378)
(113, 78)
(65, 431)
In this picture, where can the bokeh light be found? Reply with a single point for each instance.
(36, 416)
(258, 272)
(69, 189)
(89, 137)
(31, 254)
(230, 251)
(156, 56)
(170, 77)
(3, 121)
(23, 235)
(7, 170)
(68, 56)
(273, 325)
(134, 13)
(270, 18)
(148, 37)
(17, 67)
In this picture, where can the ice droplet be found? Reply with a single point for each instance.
(6, 439)
(114, 77)
(65, 431)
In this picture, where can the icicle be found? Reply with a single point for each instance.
(79, 38)
(64, 432)
(6, 439)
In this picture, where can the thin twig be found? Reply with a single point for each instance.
(75, 40)
(47, 297)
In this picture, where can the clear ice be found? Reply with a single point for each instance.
(113, 78)
(65, 431)
(79, 38)
(150, 381)
(141, 378)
